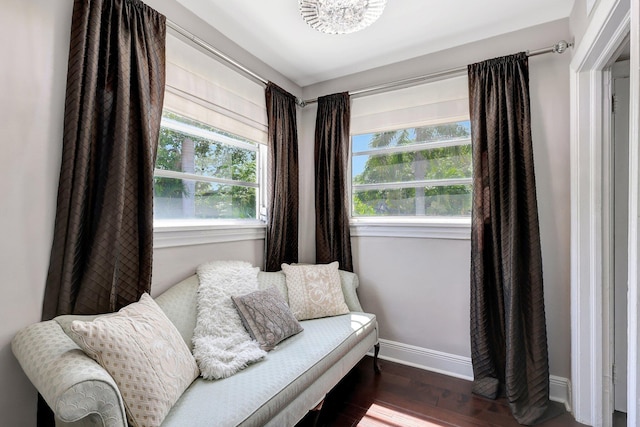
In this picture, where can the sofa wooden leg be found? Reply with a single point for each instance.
(316, 414)
(376, 365)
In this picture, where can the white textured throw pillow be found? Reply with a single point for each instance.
(314, 290)
(221, 344)
(146, 356)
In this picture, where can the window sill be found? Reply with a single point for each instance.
(433, 228)
(168, 234)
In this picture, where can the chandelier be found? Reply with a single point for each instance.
(341, 16)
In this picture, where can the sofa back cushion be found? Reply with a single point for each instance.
(349, 282)
(179, 301)
(276, 280)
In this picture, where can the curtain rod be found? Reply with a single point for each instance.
(206, 46)
(559, 48)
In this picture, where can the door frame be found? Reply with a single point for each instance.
(633, 309)
(610, 24)
(618, 70)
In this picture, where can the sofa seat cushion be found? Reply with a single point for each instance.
(253, 396)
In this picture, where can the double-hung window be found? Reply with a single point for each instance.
(421, 171)
(204, 173)
(411, 155)
(211, 161)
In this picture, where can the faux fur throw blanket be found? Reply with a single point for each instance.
(221, 344)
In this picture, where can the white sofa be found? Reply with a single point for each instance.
(278, 391)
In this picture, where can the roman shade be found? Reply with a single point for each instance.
(203, 89)
(422, 105)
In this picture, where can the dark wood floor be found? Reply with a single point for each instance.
(403, 396)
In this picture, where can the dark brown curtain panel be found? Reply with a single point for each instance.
(102, 246)
(333, 238)
(508, 331)
(282, 221)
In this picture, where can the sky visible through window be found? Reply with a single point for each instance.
(419, 171)
(362, 143)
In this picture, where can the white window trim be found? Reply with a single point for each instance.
(420, 228)
(172, 233)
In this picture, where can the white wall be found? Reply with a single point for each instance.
(170, 265)
(176, 13)
(579, 20)
(419, 287)
(35, 46)
(549, 85)
(306, 185)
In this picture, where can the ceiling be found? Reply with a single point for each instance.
(274, 31)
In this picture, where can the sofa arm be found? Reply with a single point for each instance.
(350, 283)
(74, 386)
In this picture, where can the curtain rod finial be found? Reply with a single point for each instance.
(561, 46)
(301, 102)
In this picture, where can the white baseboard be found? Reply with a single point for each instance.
(424, 358)
(560, 391)
(457, 366)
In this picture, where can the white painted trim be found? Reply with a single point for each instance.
(560, 391)
(590, 350)
(597, 256)
(174, 236)
(457, 366)
(576, 251)
(424, 358)
(633, 310)
(456, 229)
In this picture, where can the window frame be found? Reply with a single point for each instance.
(188, 232)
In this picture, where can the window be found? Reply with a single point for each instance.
(411, 160)
(210, 175)
(204, 173)
(419, 171)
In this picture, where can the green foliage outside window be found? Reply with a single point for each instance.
(449, 162)
(197, 155)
